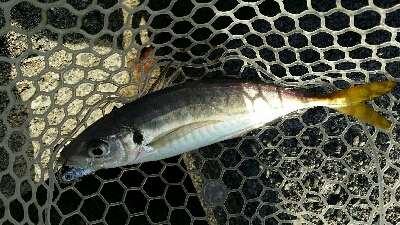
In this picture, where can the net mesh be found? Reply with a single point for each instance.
(63, 62)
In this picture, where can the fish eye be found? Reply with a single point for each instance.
(98, 148)
(68, 177)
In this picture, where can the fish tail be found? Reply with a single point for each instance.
(350, 101)
(362, 93)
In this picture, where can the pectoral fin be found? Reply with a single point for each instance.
(367, 114)
(180, 132)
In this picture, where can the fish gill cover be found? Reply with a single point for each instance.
(62, 61)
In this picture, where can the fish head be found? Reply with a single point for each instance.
(99, 148)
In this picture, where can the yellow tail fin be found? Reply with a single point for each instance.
(349, 101)
(367, 114)
(361, 93)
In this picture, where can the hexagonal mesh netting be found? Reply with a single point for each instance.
(62, 60)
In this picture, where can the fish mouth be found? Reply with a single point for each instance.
(71, 174)
(68, 174)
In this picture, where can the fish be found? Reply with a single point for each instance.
(188, 116)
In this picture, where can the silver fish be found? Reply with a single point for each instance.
(185, 117)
